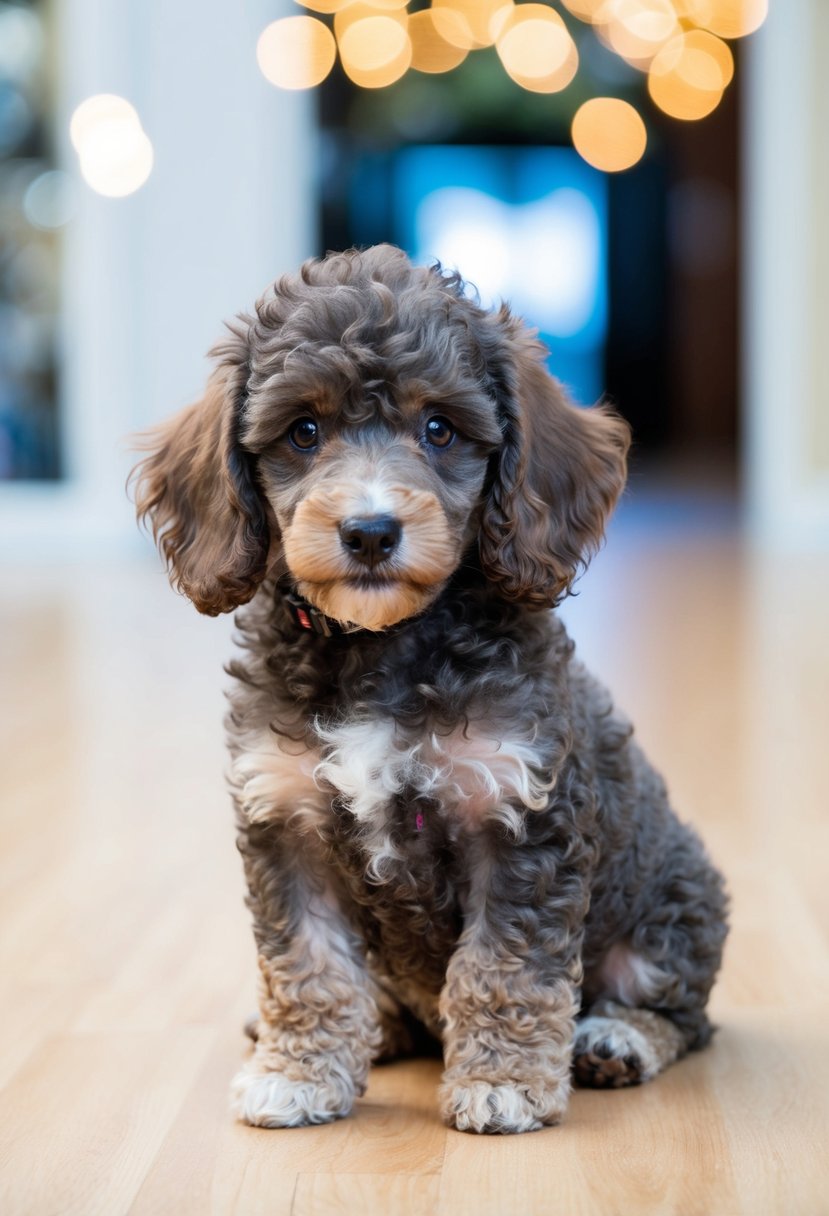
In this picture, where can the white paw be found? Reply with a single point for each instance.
(478, 1106)
(609, 1052)
(271, 1100)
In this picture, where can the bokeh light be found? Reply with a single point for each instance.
(471, 24)
(609, 134)
(296, 52)
(687, 77)
(536, 49)
(734, 18)
(585, 10)
(678, 43)
(375, 50)
(49, 201)
(365, 10)
(372, 42)
(637, 29)
(117, 164)
(116, 156)
(325, 6)
(698, 12)
(114, 166)
(102, 110)
(709, 45)
(430, 50)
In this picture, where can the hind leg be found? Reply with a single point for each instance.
(615, 1045)
(645, 998)
(620, 1041)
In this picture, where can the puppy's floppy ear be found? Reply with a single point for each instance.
(197, 487)
(559, 473)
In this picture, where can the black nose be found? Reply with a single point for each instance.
(371, 540)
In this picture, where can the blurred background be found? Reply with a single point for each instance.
(643, 179)
(648, 182)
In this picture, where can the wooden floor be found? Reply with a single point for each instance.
(126, 963)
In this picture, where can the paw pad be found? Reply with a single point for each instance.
(609, 1053)
(600, 1069)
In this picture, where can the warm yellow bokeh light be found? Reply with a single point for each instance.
(687, 77)
(296, 52)
(636, 29)
(536, 49)
(325, 6)
(470, 24)
(735, 18)
(375, 51)
(360, 10)
(609, 134)
(102, 110)
(710, 47)
(430, 51)
(372, 43)
(380, 78)
(698, 12)
(678, 42)
(585, 10)
(553, 82)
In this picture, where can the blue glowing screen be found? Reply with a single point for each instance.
(527, 225)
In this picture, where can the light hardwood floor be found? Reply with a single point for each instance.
(126, 962)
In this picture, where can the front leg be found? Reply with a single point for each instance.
(318, 1028)
(511, 993)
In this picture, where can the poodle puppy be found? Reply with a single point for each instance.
(444, 823)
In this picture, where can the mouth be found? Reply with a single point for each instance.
(372, 601)
(374, 582)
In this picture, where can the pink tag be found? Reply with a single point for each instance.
(419, 821)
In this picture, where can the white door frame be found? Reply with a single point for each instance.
(786, 261)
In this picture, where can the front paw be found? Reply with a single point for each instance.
(487, 1107)
(269, 1099)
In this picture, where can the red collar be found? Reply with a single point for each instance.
(308, 617)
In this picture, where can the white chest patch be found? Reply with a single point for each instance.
(470, 775)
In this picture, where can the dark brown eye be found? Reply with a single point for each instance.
(304, 434)
(439, 433)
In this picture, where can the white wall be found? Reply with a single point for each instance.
(149, 279)
(786, 258)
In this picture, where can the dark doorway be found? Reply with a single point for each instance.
(669, 358)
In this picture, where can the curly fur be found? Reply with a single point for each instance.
(442, 819)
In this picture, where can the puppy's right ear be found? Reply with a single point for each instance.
(559, 473)
(197, 487)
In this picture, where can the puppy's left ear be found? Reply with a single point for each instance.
(559, 473)
(197, 487)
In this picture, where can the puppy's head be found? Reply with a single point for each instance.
(362, 432)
